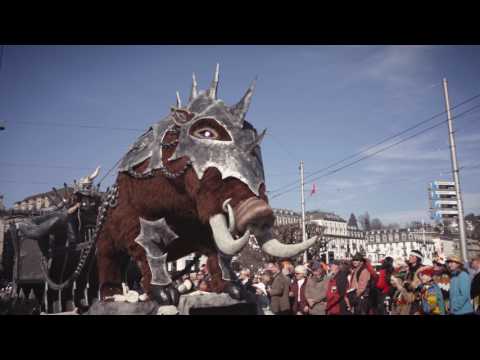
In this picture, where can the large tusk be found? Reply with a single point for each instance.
(273, 247)
(223, 239)
(231, 217)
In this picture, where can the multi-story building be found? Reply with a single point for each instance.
(443, 200)
(285, 217)
(399, 242)
(40, 201)
(340, 240)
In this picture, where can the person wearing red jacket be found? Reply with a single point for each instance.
(384, 287)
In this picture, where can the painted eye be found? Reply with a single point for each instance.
(206, 134)
(209, 129)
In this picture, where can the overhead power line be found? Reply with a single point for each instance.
(372, 154)
(58, 124)
(39, 165)
(377, 144)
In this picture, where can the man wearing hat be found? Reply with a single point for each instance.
(430, 293)
(460, 302)
(316, 290)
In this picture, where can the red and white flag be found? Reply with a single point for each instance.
(314, 190)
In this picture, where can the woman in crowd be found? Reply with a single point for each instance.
(384, 287)
(337, 288)
(263, 299)
(400, 305)
(460, 302)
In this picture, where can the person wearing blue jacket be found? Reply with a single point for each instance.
(460, 281)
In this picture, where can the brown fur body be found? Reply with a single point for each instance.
(185, 202)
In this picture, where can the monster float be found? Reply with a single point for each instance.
(193, 183)
(55, 246)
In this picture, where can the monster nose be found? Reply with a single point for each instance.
(253, 212)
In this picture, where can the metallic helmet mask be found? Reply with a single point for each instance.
(211, 134)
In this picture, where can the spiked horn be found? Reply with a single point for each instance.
(60, 199)
(240, 109)
(194, 92)
(31, 295)
(65, 187)
(212, 91)
(95, 173)
(179, 101)
(257, 141)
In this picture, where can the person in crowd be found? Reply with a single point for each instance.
(359, 285)
(287, 269)
(411, 284)
(430, 294)
(460, 303)
(184, 285)
(441, 277)
(245, 277)
(400, 301)
(337, 289)
(384, 287)
(475, 286)
(278, 291)
(297, 289)
(316, 290)
(203, 285)
(193, 279)
(263, 299)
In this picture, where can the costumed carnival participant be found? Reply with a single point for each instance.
(430, 293)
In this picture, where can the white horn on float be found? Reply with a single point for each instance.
(94, 174)
(223, 238)
(231, 216)
(275, 248)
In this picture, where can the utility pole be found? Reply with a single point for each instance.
(456, 177)
(304, 237)
(423, 234)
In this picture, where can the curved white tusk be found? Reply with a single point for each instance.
(275, 248)
(231, 216)
(223, 238)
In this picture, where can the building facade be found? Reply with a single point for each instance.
(286, 217)
(340, 240)
(398, 243)
(40, 201)
(443, 200)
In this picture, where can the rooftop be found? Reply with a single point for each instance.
(323, 215)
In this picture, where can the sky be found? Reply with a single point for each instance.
(320, 104)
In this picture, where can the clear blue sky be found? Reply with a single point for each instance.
(319, 103)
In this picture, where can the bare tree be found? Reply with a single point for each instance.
(376, 224)
(365, 221)
(352, 221)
